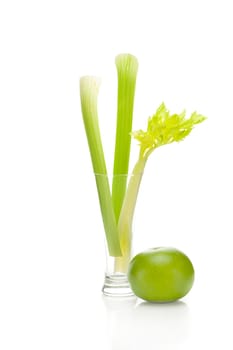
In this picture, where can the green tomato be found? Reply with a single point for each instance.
(161, 274)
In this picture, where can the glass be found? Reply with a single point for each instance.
(116, 280)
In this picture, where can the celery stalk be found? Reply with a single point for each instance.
(163, 128)
(89, 88)
(126, 216)
(127, 66)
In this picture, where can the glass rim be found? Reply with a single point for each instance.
(118, 175)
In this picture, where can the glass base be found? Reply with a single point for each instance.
(117, 285)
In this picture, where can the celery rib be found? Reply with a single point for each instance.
(126, 216)
(89, 88)
(127, 66)
(163, 128)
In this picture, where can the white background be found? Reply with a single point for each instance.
(51, 238)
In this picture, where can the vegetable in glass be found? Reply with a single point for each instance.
(118, 200)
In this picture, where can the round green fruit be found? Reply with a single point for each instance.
(161, 274)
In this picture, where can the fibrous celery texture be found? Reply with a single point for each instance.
(89, 88)
(127, 67)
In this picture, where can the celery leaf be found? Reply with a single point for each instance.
(164, 128)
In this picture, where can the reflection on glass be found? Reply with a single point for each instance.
(134, 324)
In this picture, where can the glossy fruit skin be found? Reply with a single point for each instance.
(161, 274)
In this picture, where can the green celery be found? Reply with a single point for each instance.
(127, 67)
(162, 129)
(89, 88)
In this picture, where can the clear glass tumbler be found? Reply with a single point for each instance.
(124, 189)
